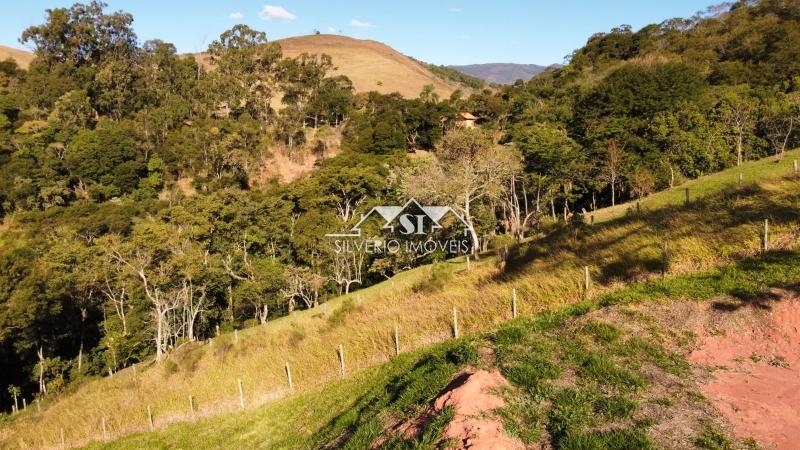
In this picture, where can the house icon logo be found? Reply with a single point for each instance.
(410, 219)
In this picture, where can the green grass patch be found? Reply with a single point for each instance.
(745, 280)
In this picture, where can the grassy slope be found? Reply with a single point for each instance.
(370, 65)
(708, 234)
(572, 373)
(367, 63)
(22, 57)
(706, 185)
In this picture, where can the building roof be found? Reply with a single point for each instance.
(467, 116)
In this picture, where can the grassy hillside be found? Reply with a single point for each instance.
(370, 65)
(22, 57)
(711, 232)
(587, 375)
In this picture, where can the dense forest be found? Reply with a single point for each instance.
(137, 214)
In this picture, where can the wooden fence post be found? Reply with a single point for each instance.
(513, 303)
(665, 260)
(103, 426)
(341, 360)
(765, 237)
(38, 405)
(796, 170)
(396, 340)
(741, 178)
(591, 223)
(191, 407)
(241, 392)
(150, 418)
(455, 323)
(686, 200)
(289, 377)
(236, 335)
(585, 281)
(24, 404)
(217, 328)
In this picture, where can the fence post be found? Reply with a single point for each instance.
(396, 341)
(38, 405)
(24, 404)
(191, 407)
(236, 335)
(241, 392)
(585, 281)
(455, 323)
(513, 303)
(592, 220)
(686, 200)
(103, 426)
(765, 237)
(467, 262)
(217, 327)
(289, 377)
(63, 438)
(741, 177)
(665, 260)
(150, 418)
(796, 172)
(341, 360)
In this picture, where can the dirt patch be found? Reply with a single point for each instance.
(472, 395)
(753, 353)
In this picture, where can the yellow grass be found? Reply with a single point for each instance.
(370, 65)
(22, 57)
(627, 249)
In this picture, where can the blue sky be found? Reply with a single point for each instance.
(442, 32)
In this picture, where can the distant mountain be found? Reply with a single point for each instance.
(502, 73)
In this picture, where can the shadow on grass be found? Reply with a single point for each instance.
(747, 282)
(413, 385)
(708, 216)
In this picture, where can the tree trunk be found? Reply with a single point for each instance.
(159, 334)
(613, 191)
(473, 235)
(42, 385)
(671, 176)
(739, 149)
(84, 312)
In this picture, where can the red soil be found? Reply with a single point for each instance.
(471, 401)
(473, 427)
(757, 387)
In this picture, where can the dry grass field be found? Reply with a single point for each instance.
(370, 65)
(22, 57)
